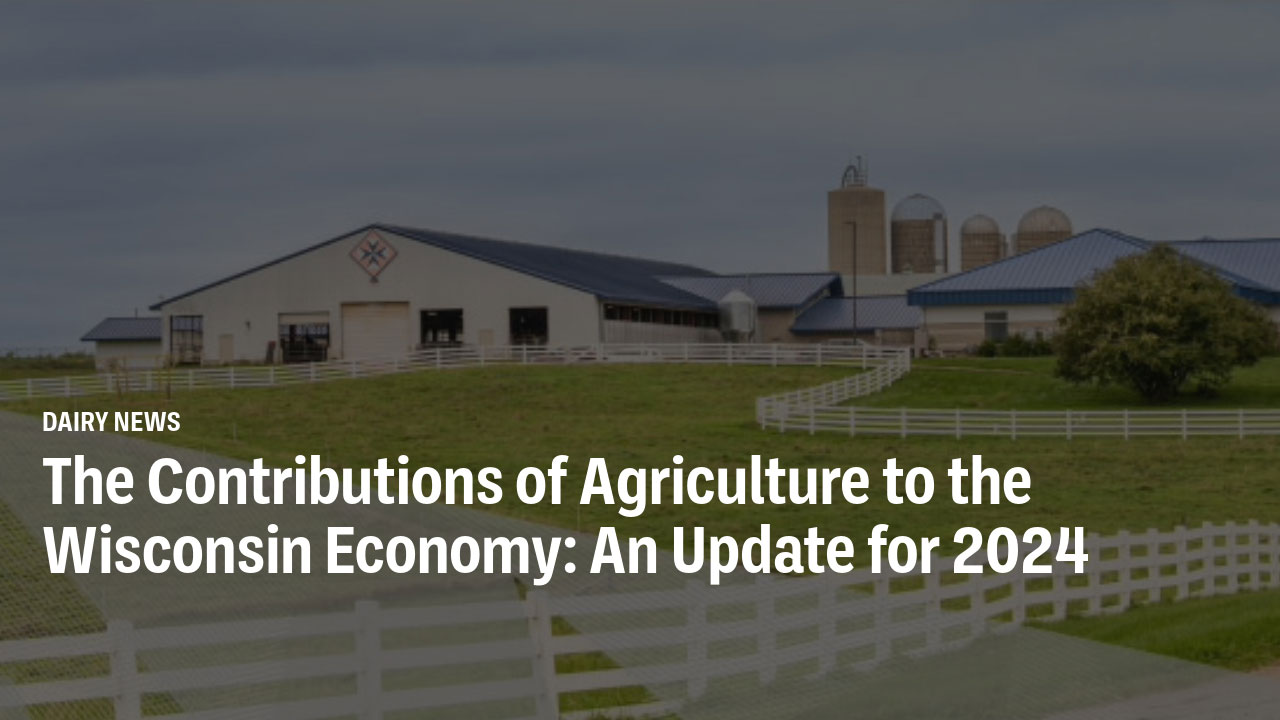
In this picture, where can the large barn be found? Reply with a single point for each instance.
(384, 290)
(1024, 294)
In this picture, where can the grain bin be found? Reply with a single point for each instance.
(1039, 227)
(737, 316)
(980, 242)
(918, 235)
(855, 225)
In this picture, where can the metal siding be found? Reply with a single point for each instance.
(608, 277)
(125, 328)
(1062, 265)
(835, 315)
(782, 290)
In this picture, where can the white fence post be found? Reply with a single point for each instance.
(544, 662)
(369, 659)
(765, 618)
(1235, 565)
(696, 629)
(124, 671)
(827, 599)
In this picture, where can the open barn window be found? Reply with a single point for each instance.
(529, 326)
(996, 326)
(441, 327)
(304, 342)
(186, 339)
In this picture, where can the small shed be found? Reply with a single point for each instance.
(131, 343)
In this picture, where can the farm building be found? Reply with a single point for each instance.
(1023, 294)
(880, 319)
(384, 290)
(126, 343)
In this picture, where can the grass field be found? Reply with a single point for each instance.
(1028, 384)
(13, 367)
(1238, 632)
(642, 414)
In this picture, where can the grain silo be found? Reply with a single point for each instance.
(1039, 227)
(855, 226)
(918, 235)
(980, 242)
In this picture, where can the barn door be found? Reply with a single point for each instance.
(375, 330)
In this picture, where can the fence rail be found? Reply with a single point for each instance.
(903, 422)
(442, 358)
(856, 620)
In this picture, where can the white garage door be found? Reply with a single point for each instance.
(375, 330)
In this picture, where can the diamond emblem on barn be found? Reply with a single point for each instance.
(373, 253)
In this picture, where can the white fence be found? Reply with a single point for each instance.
(813, 624)
(824, 408)
(465, 356)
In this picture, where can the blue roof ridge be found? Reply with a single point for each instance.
(1113, 234)
(402, 229)
(420, 235)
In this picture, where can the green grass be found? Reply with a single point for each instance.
(1238, 632)
(640, 415)
(1029, 384)
(14, 367)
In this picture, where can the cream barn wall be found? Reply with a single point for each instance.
(959, 327)
(247, 308)
(127, 354)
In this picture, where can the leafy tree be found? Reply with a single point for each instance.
(1158, 322)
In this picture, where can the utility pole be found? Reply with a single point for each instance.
(853, 246)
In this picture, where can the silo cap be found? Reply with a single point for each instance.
(1044, 219)
(917, 207)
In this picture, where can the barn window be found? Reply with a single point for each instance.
(529, 326)
(186, 339)
(996, 326)
(304, 342)
(441, 327)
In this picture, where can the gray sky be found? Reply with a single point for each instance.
(146, 148)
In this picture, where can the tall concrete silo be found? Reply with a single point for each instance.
(981, 242)
(1039, 227)
(855, 226)
(918, 235)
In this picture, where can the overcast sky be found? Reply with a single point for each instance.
(148, 148)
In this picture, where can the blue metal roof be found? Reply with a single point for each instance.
(122, 329)
(1049, 275)
(1045, 275)
(875, 312)
(1253, 262)
(769, 290)
(608, 277)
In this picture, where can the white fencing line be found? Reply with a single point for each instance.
(441, 358)
(940, 612)
(824, 408)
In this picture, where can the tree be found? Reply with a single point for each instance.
(1158, 322)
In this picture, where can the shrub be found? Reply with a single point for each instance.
(1159, 322)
